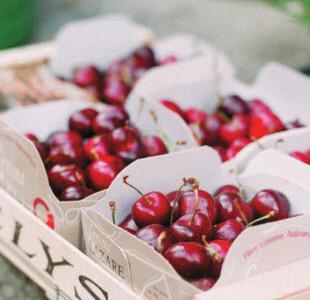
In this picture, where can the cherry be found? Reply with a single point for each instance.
(189, 259)
(191, 228)
(86, 76)
(213, 126)
(221, 151)
(236, 146)
(81, 121)
(271, 205)
(153, 146)
(61, 138)
(228, 230)
(126, 143)
(194, 115)
(116, 67)
(263, 123)
(237, 128)
(294, 124)
(66, 154)
(129, 224)
(97, 147)
(206, 204)
(151, 208)
(157, 236)
(39, 146)
(114, 91)
(102, 172)
(144, 57)
(204, 284)
(61, 177)
(173, 107)
(108, 120)
(233, 105)
(227, 188)
(257, 106)
(75, 193)
(231, 205)
(301, 156)
(217, 251)
(32, 137)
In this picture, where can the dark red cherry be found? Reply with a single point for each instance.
(271, 204)
(228, 230)
(194, 115)
(264, 123)
(153, 145)
(151, 208)
(217, 251)
(66, 154)
(114, 90)
(61, 138)
(86, 76)
(97, 147)
(32, 137)
(237, 128)
(189, 259)
(206, 204)
(157, 236)
(102, 172)
(108, 120)
(129, 224)
(173, 107)
(257, 106)
(233, 105)
(222, 152)
(72, 193)
(61, 177)
(236, 146)
(144, 57)
(227, 188)
(81, 121)
(212, 127)
(126, 143)
(40, 146)
(203, 284)
(232, 206)
(191, 228)
(301, 156)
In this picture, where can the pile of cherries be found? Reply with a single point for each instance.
(303, 156)
(193, 229)
(114, 84)
(235, 124)
(98, 145)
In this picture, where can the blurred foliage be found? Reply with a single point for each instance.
(299, 9)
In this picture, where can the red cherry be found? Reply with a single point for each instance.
(61, 138)
(257, 106)
(32, 137)
(237, 128)
(129, 224)
(191, 228)
(301, 156)
(114, 91)
(204, 284)
(271, 204)
(61, 177)
(65, 155)
(108, 120)
(102, 172)
(264, 123)
(157, 236)
(194, 115)
(40, 146)
(81, 121)
(213, 126)
(227, 188)
(206, 204)
(231, 205)
(217, 251)
(97, 147)
(222, 152)
(173, 107)
(72, 193)
(126, 143)
(144, 57)
(153, 146)
(116, 67)
(189, 259)
(86, 76)
(236, 146)
(233, 105)
(228, 230)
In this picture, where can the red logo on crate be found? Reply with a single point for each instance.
(40, 203)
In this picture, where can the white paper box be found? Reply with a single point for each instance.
(101, 236)
(60, 269)
(22, 172)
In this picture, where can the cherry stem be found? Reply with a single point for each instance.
(177, 195)
(159, 241)
(125, 180)
(243, 217)
(223, 116)
(266, 217)
(113, 210)
(211, 250)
